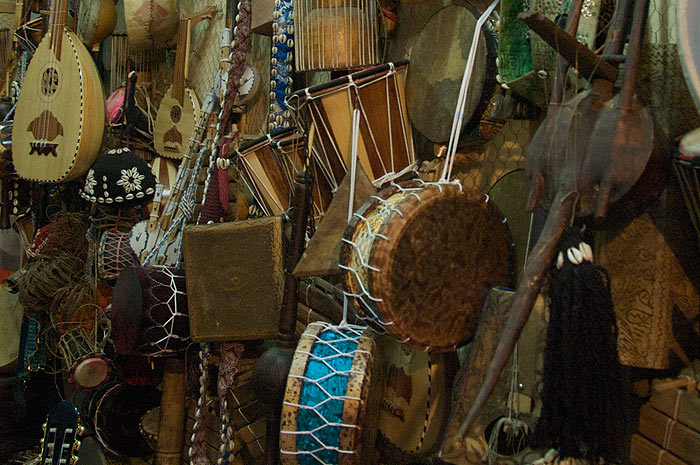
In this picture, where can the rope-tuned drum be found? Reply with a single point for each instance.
(331, 404)
(385, 145)
(419, 258)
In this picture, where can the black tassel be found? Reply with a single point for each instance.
(582, 395)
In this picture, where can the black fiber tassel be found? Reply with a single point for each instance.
(582, 395)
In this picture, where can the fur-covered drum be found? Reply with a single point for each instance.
(419, 258)
(331, 403)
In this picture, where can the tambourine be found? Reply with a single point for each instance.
(330, 408)
(419, 258)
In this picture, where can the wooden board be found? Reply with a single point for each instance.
(645, 452)
(670, 435)
(678, 405)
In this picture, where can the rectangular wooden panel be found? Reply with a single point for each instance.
(670, 435)
(235, 279)
(645, 452)
(685, 407)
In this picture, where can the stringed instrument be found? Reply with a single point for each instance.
(61, 433)
(147, 234)
(60, 116)
(179, 109)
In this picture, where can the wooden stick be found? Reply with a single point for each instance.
(172, 414)
(578, 55)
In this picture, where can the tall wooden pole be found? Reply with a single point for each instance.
(271, 370)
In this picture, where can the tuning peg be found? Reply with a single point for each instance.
(76, 446)
(74, 460)
(80, 430)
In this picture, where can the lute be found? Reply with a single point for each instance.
(60, 116)
(179, 109)
(146, 235)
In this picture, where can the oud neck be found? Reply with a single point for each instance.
(181, 55)
(57, 20)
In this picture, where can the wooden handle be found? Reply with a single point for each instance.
(634, 53)
(542, 255)
(172, 414)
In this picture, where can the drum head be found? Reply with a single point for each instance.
(10, 328)
(91, 371)
(689, 45)
(436, 68)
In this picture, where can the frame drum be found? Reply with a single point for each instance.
(395, 252)
(116, 410)
(268, 166)
(435, 74)
(150, 23)
(385, 145)
(329, 414)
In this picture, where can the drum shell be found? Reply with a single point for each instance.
(336, 39)
(433, 226)
(364, 383)
(385, 142)
(275, 161)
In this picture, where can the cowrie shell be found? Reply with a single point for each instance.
(223, 163)
(574, 255)
(560, 260)
(586, 250)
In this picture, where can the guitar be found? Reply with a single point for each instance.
(59, 119)
(179, 109)
(146, 235)
(61, 433)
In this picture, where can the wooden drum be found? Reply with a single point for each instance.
(150, 23)
(419, 258)
(329, 415)
(268, 166)
(335, 34)
(385, 145)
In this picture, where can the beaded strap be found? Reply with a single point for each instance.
(230, 356)
(281, 64)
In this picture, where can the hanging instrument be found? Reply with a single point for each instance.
(179, 109)
(148, 234)
(60, 116)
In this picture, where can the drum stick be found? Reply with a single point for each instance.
(172, 414)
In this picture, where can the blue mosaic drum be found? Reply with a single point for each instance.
(331, 403)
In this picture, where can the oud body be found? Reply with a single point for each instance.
(60, 116)
(175, 123)
(179, 110)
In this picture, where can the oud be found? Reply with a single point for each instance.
(60, 116)
(179, 109)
